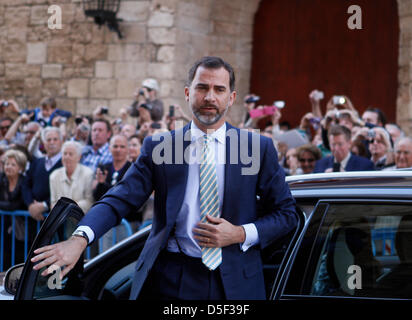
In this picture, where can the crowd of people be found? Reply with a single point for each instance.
(341, 139)
(48, 153)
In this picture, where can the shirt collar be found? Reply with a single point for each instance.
(219, 134)
(344, 162)
(55, 158)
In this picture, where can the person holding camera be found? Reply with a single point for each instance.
(47, 112)
(9, 108)
(147, 95)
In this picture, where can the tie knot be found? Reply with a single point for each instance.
(207, 139)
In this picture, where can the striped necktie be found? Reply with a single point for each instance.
(209, 198)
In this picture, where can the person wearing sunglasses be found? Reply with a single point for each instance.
(307, 156)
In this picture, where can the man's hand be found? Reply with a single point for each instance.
(36, 210)
(218, 233)
(63, 254)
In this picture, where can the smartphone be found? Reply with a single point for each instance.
(279, 104)
(255, 113)
(339, 100)
(171, 111)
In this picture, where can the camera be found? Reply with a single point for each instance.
(318, 95)
(78, 120)
(104, 110)
(102, 167)
(155, 125)
(339, 100)
(279, 104)
(315, 122)
(371, 134)
(141, 92)
(171, 111)
(62, 120)
(252, 99)
(5, 104)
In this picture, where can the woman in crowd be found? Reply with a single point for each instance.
(307, 156)
(134, 147)
(73, 180)
(11, 199)
(380, 148)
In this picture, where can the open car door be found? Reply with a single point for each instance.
(57, 227)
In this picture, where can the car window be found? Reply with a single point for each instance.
(51, 286)
(360, 250)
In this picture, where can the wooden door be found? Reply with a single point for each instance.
(301, 45)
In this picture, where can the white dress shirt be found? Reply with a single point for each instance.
(189, 214)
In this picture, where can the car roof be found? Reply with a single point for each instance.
(353, 184)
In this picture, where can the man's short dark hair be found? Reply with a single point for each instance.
(212, 63)
(379, 112)
(48, 102)
(108, 125)
(337, 130)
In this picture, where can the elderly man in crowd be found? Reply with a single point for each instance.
(403, 154)
(36, 190)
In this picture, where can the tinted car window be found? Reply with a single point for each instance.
(361, 250)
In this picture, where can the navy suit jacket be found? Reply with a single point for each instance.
(37, 186)
(241, 272)
(355, 163)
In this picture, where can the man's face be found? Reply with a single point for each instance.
(209, 97)
(4, 127)
(128, 130)
(403, 154)
(340, 146)
(307, 162)
(100, 134)
(46, 111)
(370, 117)
(119, 148)
(29, 132)
(52, 144)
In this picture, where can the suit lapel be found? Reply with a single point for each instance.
(177, 173)
(231, 171)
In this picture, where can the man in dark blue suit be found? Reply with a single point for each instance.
(342, 159)
(207, 233)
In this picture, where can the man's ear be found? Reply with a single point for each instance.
(232, 98)
(187, 94)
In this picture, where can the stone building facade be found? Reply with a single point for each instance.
(85, 66)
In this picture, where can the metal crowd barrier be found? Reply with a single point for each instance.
(26, 215)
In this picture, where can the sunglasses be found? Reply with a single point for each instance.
(307, 160)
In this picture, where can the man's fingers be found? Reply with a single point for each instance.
(42, 249)
(213, 219)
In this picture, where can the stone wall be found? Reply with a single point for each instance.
(404, 101)
(85, 66)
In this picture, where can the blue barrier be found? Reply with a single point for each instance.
(129, 232)
(384, 235)
(13, 215)
(26, 215)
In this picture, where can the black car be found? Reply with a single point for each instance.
(353, 241)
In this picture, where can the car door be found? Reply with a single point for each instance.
(356, 249)
(58, 226)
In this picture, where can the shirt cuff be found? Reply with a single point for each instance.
(251, 238)
(88, 231)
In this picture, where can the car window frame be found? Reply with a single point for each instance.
(54, 220)
(319, 214)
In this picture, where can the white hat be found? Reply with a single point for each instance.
(151, 84)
